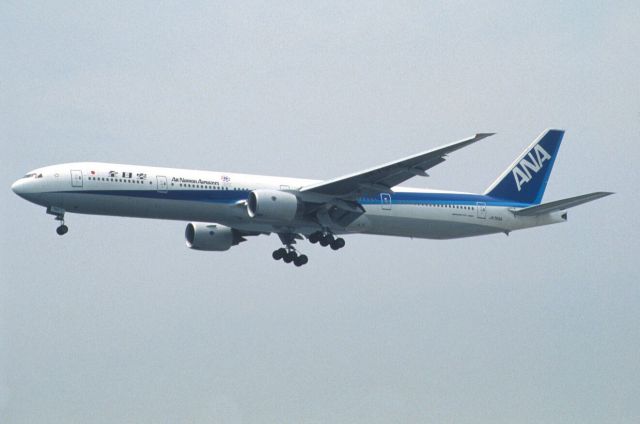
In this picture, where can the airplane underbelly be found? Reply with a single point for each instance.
(140, 207)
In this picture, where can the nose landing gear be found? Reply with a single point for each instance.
(59, 216)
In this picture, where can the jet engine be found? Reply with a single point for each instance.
(211, 237)
(273, 205)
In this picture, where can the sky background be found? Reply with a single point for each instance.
(119, 322)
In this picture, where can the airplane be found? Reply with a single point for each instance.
(226, 208)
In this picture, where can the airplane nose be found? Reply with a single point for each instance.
(17, 187)
(28, 189)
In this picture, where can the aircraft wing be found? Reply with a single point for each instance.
(560, 205)
(383, 177)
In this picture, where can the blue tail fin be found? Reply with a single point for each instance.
(526, 179)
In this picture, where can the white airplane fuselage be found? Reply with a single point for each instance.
(225, 208)
(203, 196)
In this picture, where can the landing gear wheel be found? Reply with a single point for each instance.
(314, 237)
(300, 260)
(289, 257)
(279, 253)
(338, 243)
(62, 230)
(326, 240)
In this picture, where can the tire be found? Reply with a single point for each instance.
(62, 230)
(301, 260)
(278, 254)
(289, 257)
(326, 240)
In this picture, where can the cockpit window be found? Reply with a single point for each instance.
(33, 175)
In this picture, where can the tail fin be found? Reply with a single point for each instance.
(526, 179)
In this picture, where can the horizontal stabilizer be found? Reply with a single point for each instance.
(560, 205)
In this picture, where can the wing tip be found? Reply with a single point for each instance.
(480, 136)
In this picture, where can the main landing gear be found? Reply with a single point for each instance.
(288, 253)
(327, 239)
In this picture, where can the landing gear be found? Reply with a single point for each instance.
(288, 254)
(279, 254)
(338, 243)
(289, 257)
(300, 260)
(327, 239)
(59, 216)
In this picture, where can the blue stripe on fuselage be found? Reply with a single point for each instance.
(413, 198)
(233, 196)
(211, 196)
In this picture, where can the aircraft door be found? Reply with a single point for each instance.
(76, 178)
(481, 207)
(162, 184)
(385, 201)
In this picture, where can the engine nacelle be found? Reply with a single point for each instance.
(211, 237)
(273, 205)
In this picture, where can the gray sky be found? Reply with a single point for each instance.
(119, 322)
